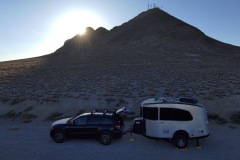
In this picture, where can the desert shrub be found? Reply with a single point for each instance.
(12, 114)
(86, 98)
(27, 118)
(29, 108)
(120, 102)
(81, 111)
(5, 100)
(217, 118)
(13, 129)
(209, 98)
(54, 116)
(235, 118)
(16, 101)
(109, 100)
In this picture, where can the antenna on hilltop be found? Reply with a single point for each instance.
(152, 6)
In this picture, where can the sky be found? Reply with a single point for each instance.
(31, 28)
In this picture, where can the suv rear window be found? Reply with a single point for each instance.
(97, 119)
(106, 120)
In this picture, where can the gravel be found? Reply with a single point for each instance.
(32, 141)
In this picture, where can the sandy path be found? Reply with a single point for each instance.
(32, 141)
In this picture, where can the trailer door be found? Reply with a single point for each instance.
(165, 126)
(150, 114)
(173, 119)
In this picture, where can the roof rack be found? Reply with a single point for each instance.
(113, 111)
(104, 111)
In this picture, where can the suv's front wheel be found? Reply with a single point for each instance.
(58, 136)
(105, 138)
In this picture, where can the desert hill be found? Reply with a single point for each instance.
(149, 36)
(151, 54)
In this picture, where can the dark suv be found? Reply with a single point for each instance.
(105, 125)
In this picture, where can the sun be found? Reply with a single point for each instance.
(82, 31)
(75, 22)
(68, 25)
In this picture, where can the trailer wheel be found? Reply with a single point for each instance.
(181, 141)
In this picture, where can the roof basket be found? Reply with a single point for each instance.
(188, 100)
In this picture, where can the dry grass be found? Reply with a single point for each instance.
(120, 79)
(54, 116)
(215, 117)
(24, 116)
(81, 111)
(27, 118)
(235, 118)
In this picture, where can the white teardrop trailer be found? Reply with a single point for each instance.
(178, 120)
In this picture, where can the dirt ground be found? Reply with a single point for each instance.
(22, 141)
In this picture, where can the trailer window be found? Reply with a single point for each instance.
(173, 114)
(150, 113)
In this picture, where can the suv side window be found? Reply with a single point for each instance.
(93, 120)
(80, 120)
(106, 120)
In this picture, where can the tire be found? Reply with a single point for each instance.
(181, 141)
(105, 138)
(58, 136)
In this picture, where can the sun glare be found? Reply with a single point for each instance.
(70, 24)
(75, 22)
(82, 31)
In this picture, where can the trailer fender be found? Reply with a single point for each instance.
(181, 132)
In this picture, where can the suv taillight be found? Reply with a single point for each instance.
(118, 127)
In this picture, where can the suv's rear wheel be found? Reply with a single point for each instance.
(59, 136)
(180, 141)
(105, 138)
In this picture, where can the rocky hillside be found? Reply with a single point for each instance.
(151, 54)
(150, 34)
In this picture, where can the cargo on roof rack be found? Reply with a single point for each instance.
(104, 111)
(113, 111)
(188, 100)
